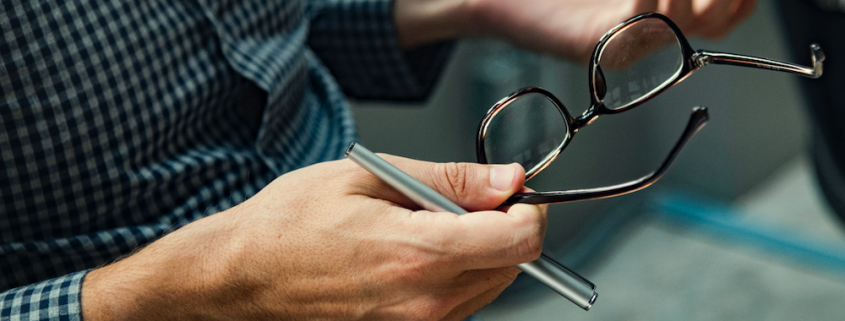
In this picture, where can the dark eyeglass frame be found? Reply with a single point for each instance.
(693, 60)
(697, 120)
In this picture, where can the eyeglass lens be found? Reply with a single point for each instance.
(529, 130)
(642, 58)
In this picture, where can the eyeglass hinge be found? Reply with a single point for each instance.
(700, 59)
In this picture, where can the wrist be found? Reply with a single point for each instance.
(178, 277)
(420, 22)
(119, 292)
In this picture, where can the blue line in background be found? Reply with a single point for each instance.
(726, 222)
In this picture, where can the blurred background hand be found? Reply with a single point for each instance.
(569, 29)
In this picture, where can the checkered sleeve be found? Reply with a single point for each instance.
(54, 299)
(356, 40)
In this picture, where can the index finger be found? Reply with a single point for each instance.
(486, 239)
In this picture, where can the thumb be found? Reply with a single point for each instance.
(474, 187)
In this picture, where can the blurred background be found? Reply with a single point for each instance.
(736, 229)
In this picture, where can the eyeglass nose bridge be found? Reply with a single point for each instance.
(698, 119)
(596, 109)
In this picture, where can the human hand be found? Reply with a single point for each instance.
(566, 28)
(333, 242)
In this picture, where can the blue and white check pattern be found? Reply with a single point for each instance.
(122, 120)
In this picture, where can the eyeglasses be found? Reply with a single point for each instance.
(632, 63)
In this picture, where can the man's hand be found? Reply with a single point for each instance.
(332, 242)
(566, 28)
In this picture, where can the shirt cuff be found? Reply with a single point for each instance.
(54, 299)
(357, 42)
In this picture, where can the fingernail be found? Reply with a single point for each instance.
(501, 177)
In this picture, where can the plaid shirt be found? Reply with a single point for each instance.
(122, 120)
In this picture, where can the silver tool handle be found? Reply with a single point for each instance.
(553, 274)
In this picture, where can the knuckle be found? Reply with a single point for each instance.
(455, 182)
(530, 220)
(529, 249)
(534, 248)
(504, 275)
(529, 246)
(511, 273)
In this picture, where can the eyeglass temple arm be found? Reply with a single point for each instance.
(702, 58)
(697, 120)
